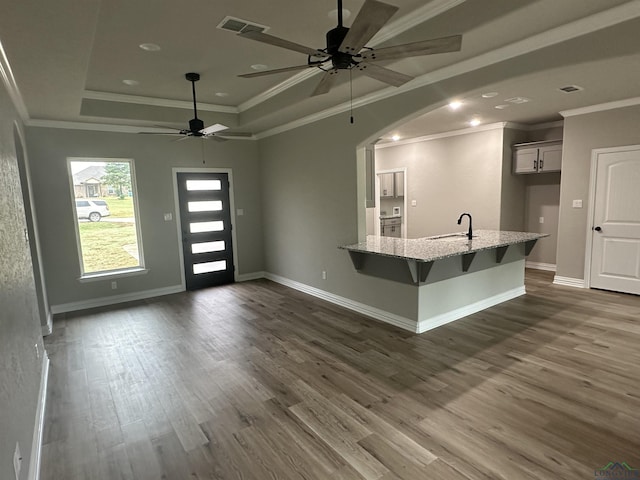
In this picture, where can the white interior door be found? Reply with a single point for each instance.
(615, 245)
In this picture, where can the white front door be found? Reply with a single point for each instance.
(615, 251)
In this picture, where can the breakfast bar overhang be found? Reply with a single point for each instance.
(453, 276)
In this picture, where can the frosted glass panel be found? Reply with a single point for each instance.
(204, 185)
(199, 227)
(209, 267)
(205, 206)
(206, 247)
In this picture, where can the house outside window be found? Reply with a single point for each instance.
(106, 216)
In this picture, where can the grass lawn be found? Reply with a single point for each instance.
(120, 208)
(103, 244)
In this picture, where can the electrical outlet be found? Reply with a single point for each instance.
(168, 217)
(414, 203)
(324, 274)
(114, 285)
(240, 212)
(577, 204)
(17, 461)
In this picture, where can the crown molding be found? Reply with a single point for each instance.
(109, 127)
(537, 126)
(157, 102)
(629, 102)
(11, 86)
(437, 136)
(553, 36)
(98, 127)
(421, 15)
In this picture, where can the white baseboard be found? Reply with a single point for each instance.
(114, 299)
(245, 277)
(36, 444)
(458, 313)
(548, 267)
(569, 282)
(48, 328)
(369, 311)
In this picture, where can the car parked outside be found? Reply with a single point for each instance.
(94, 210)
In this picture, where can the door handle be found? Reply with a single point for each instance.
(597, 229)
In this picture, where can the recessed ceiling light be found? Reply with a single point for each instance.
(395, 138)
(222, 94)
(259, 66)
(455, 105)
(502, 107)
(517, 100)
(131, 83)
(333, 14)
(489, 94)
(474, 122)
(150, 47)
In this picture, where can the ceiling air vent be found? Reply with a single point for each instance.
(571, 88)
(238, 25)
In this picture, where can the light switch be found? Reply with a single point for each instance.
(414, 203)
(541, 219)
(240, 212)
(577, 204)
(168, 217)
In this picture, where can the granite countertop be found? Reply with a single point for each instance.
(428, 249)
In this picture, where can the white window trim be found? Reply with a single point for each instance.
(111, 274)
(108, 274)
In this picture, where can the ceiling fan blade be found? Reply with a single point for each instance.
(370, 19)
(160, 133)
(425, 47)
(280, 42)
(233, 135)
(384, 74)
(277, 70)
(326, 82)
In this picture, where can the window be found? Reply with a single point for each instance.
(107, 228)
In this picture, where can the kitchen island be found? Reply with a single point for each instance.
(453, 276)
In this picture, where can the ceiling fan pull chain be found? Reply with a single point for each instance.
(351, 93)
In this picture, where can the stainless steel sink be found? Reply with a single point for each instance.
(450, 236)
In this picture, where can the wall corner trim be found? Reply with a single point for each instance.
(245, 277)
(38, 430)
(548, 267)
(115, 299)
(569, 282)
(47, 329)
(367, 310)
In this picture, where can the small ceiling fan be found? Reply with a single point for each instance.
(196, 126)
(346, 49)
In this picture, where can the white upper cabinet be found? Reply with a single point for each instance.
(537, 157)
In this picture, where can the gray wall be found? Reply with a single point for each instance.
(543, 200)
(582, 134)
(20, 333)
(154, 157)
(448, 176)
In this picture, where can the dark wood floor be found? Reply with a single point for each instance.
(257, 381)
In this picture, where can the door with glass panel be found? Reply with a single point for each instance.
(205, 220)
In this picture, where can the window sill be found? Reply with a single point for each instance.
(95, 277)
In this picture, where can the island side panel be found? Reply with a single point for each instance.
(450, 294)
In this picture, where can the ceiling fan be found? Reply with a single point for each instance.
(346, 49)
(196, 126)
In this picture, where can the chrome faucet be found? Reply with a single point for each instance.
(470, 233)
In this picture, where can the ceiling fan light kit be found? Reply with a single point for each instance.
(346, 48)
